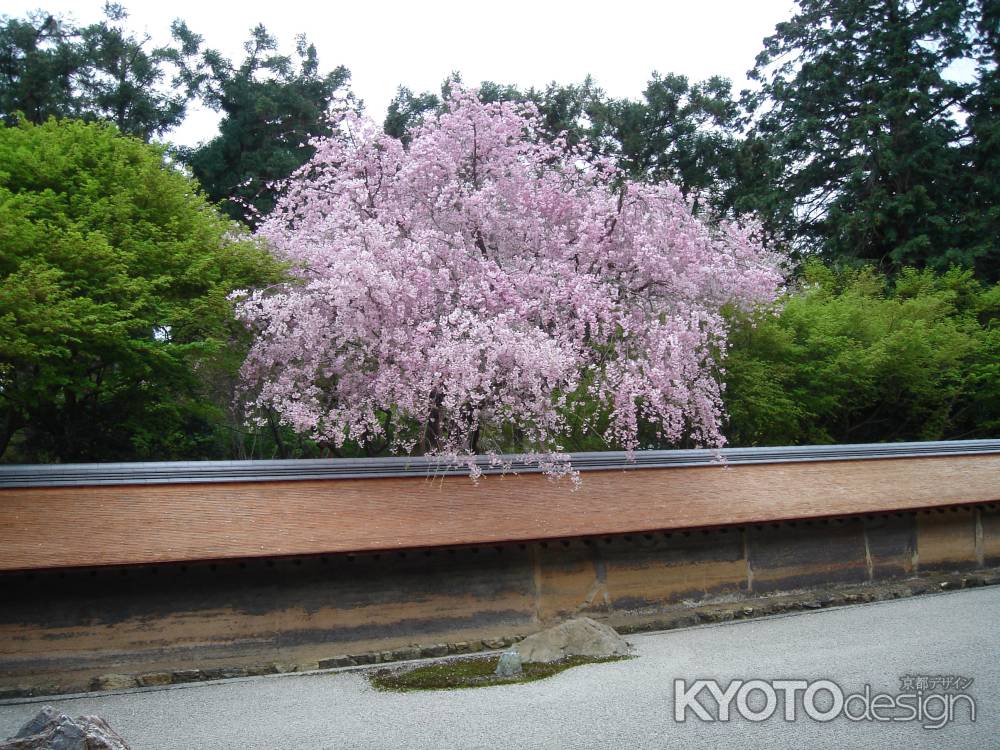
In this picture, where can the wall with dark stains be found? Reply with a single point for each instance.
(65, 627)
(43, 527)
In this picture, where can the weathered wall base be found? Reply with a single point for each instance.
(65, 628)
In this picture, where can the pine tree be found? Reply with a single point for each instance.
(272, 106)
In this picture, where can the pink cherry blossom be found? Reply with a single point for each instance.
(465, 286)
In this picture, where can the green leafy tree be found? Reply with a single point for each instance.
(272, 105)
(852, 357)
(856, 105)
(114, 276)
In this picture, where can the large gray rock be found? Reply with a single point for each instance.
(509, 664)
(580, 636)
(50, 730)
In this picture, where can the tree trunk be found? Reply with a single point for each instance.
(431, 439)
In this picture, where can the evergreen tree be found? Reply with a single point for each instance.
(123, 82)
(38, 61)
(407, 110)
(982, 219)
(679, 132)
(272, 105)
(856, 105)
(564, 110)
(51, 68)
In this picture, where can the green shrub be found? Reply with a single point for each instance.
(852, 357)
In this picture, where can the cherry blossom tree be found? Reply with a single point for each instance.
(459, 294)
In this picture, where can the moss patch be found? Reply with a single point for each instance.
(476, 672)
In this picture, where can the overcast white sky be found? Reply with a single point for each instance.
(416, 44)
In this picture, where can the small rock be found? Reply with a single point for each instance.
(336, 662)
(747, 611)
(577, 637)
(438, 649)
(509, 664)
(945, 585)
(681, 621)
(113, 682)
(50, 730)
(188, 675)
(494, 644)
(255, 670)
(154, 678)
(407, 654)
(222, 673)
(716, 615)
